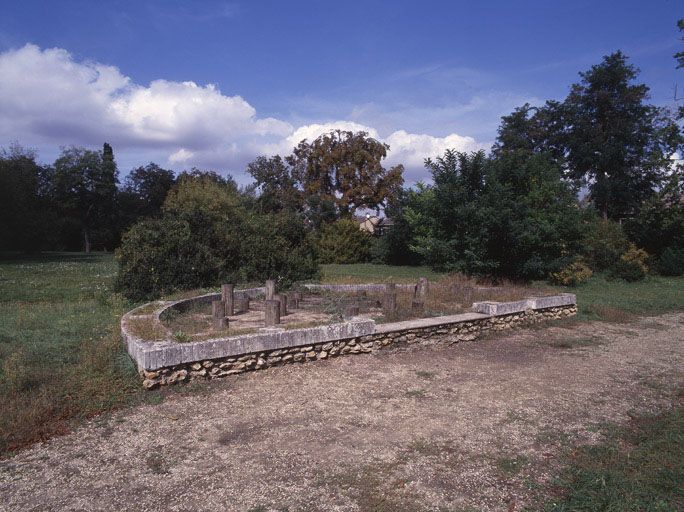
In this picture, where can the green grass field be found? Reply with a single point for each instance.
(61, 357)
(60, 353)
(640, 467)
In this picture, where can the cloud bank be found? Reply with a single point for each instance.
(48, 97)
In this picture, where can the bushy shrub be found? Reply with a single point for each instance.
(603, 244)
(671, 262)
(206, 238)
(278, 247)
(343, 242)
(659, 223)
(632, 265)
(573, 274)
(158, 256)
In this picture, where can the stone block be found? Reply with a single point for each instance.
(227, 298)
(282, 299)
(271, 312)
(270, 289)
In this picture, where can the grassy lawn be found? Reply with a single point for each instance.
(640, 467)
(61, 357)
(611, 300)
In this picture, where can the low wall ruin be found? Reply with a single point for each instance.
(168, 362)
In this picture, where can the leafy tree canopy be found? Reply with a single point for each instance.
(613, 139)
(345, 169)
(85, 188)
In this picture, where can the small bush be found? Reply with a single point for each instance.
(343, 242)
(206, 237)
(604, 243)
(632, 265)
(573, 274)
(671, 262)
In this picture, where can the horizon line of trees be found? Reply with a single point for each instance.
(512, 212)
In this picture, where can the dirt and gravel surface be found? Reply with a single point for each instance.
(472, 426)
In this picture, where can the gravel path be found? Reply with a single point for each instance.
(473, 426)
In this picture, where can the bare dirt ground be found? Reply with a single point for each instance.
(473, 426)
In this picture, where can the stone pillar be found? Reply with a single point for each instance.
(227, 298)
(417, 307)
(294, 299)
(282, 299)
(422, 288)
(218, 312)
(270, 289)
(467, 294)
(351, 312)
(271, 313)
(389, 304)
(241, 304)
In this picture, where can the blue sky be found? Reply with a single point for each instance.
(422, 76)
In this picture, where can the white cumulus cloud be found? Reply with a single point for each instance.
(49, 97)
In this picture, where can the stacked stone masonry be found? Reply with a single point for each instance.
(386, 336)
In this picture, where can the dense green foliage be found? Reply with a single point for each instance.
(659, 223)
(75, 203)
(205, 237)
(85, 190)
(671, 262)
(343, 242)
(144, 192)
(613, 138)
(603, 243)
(515, 212)
(25, 205)
(510, 215)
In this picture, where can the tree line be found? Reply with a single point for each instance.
(562, 182)
(556, 176)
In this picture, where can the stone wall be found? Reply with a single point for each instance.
(429, 331)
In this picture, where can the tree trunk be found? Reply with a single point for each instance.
(86, 240)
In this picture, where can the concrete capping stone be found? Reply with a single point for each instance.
(381, 288)
(533, 303)
(425, 323)
(155, 355)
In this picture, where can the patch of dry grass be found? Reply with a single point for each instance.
(610, 314)
(146, 327)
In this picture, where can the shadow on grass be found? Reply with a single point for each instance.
(53, 257)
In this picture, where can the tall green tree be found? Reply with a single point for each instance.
(533, 222)
(345, 169)
(26, 208)
(614, 140)
(85, 188)
(277, 186)
(446, 218)
(532, 130)
(148, 187)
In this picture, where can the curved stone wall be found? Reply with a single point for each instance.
(166, 361)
